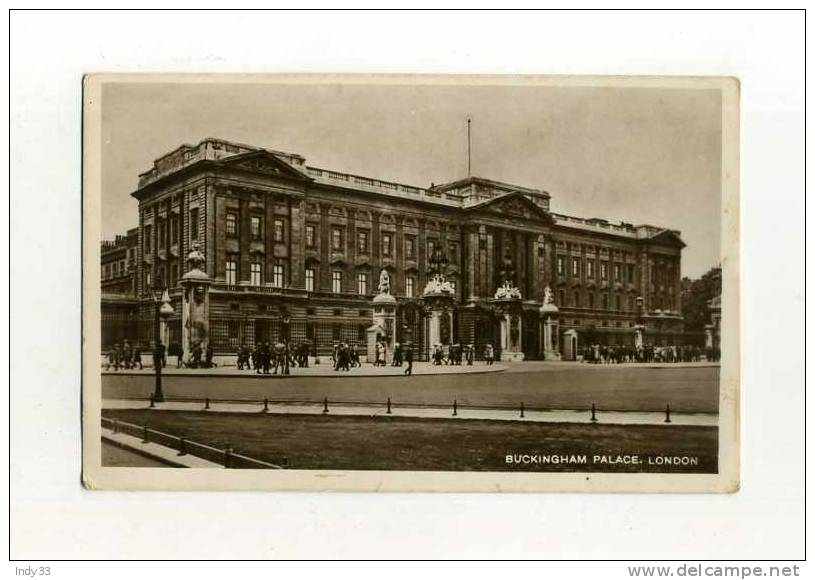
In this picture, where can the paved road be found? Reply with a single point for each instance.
(689, 389)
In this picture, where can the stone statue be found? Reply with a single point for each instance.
(548, 296)
(196, 257)
(384, 282)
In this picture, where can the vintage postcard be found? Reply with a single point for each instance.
(411, 283)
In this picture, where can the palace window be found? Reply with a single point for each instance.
(591, 300)
(362, 243)
(387, 240)
(255, 274)
(410, 281)
(148, 239)
(336, 239)
(174, 229)
(631, 303)
(336, 281)
(561, 265)
(605, 301)
(173, 274)
(194, 223)
(562, 298)
(161, 228)
(410, 247)
(452, 253)
(590, 269)
(618, 302)
(148, 280)
(310, 235)
(575, 267)
(277, 276)
(255, 228)
(231, 224)
(630, 273)
(362, 283)
(576, 298)
(617, 272)
(604, 270)
(231, 272)
(309, 279)
(279, 231)
(431, 247)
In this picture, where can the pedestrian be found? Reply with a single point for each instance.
(137, 356)
(489, 354)
(180, 361)
(196, 355)
(470, 354)
(127, 354)
(408, 354)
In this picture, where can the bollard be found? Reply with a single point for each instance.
(522, 409)
(228, 456)
(265, 405)
(152, 401)
(668, 413)
(455, 407)
(325, 405)
(206, 403)
(145, 437)
(389, 406)
(593, 413)
(182, 446)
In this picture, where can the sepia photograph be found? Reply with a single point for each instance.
(429, 283)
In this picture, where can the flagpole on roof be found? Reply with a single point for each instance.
(469, 150)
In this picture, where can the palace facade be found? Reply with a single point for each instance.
(295, 252)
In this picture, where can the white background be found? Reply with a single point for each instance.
(52, 517)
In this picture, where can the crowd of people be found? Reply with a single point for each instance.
(402, 355)
(124, 355)
(616, 354)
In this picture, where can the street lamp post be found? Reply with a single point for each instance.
(158, 393)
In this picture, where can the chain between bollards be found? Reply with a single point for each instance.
(668, 413)
(325, 405)
(455, 407)
(593, 413)
(389, 406)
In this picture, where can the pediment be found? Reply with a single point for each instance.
(668, 238)
(265, 162)
(513, 205)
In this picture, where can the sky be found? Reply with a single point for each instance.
(640, 155)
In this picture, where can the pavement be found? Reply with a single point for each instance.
(427, 412)
(321, 370)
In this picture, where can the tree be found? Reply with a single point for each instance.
(695, 296)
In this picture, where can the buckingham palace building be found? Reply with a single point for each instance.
(297, 253)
